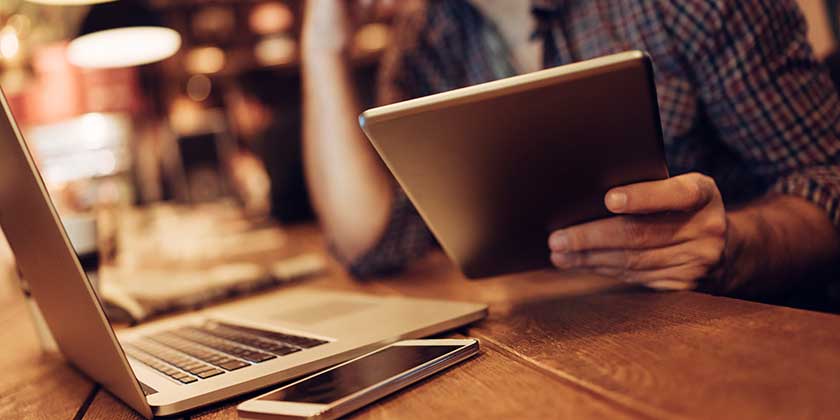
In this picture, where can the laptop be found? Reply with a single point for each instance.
(184, 362)
(494, 168)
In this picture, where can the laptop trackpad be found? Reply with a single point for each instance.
(318, 312)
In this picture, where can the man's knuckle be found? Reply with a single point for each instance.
(699, 188)
(708, 182)
(704, 253)
(629, 260)
(640, 261)
(691, 188)
(715, 225)
(681, 258)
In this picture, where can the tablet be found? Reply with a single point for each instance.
(494, 168)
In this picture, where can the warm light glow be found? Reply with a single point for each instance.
(124, 47)
(20, 23)
(84, 147)
(189, 117)
(270, 18)
(372, 37)
(205, 60)
(68, 2)
(9, 43)
(95, 126)
(213, 22)
(199, 87)
(275, 51)
(104, 161)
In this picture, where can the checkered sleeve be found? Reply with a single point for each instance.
(769, 99)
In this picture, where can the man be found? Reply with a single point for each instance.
(751, 124)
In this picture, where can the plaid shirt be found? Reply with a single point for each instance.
(741, 96)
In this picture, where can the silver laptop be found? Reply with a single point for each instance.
(184, 362)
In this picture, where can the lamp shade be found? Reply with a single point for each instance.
(124, 33)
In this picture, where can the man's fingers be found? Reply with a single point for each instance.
(705, 251)
(681, 193)
(622, 232)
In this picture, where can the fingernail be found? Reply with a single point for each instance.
(616, 200)
(558, 259)
(559, 242)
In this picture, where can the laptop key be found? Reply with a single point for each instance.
(233, 365)
(262, 357)
(284, 350)
(210, 373)
(154, 357)
(295, 340)
(172, 358)
(263, 343)
(182, 343)
(191, 353)
(197, 336)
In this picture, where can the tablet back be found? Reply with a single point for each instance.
(494, 168)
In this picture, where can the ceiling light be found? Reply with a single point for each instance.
(124, 47)
(9, 43)
(122, 34)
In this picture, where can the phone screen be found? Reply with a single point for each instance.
(338, 383)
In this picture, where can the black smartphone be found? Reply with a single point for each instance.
(349, 386)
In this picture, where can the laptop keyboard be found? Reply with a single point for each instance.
(192, 353)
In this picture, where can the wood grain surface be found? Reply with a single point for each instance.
(34, 385)
(553, 347)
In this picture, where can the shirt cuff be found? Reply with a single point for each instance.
(819, 185)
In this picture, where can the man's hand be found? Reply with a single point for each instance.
(667, 235)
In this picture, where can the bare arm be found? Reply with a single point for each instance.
(774, 245)
(351, 189)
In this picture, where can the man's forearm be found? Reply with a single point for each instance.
(351, 189)
(773, 245)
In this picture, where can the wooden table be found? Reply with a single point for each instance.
(553, 347)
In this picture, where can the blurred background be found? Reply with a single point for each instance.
(206, 107)
(209, 108)
(168, 105)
